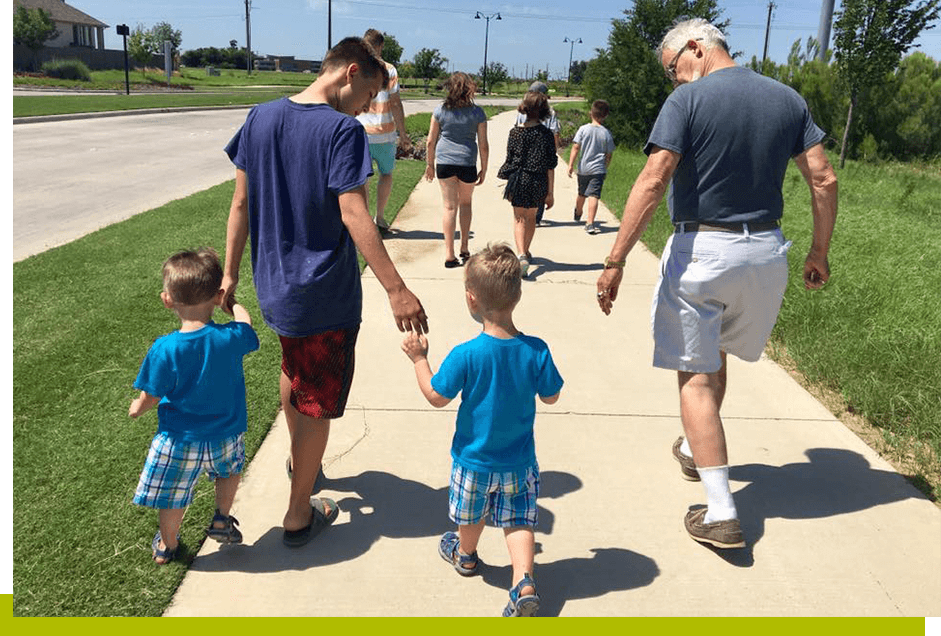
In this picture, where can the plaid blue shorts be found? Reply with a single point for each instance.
(172, 468)
(510, 498)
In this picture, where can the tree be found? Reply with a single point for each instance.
(496, 73)
(429, 64)
(141, 46)
(391, 50)
(163, 31)
(577, 72)
(870, 37)
(33, 28)
(628, 75)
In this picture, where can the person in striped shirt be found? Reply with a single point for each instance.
(385, 127)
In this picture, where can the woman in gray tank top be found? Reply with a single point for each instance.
(458, 134)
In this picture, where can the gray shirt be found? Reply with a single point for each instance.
(736, 131)
(594, 143)
(457, 143)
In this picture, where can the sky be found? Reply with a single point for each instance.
(530, 35)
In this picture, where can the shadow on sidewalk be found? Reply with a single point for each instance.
(541, 265)
(381, 505)
(834, 482)
(607, 570)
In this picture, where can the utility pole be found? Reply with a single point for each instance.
(248, 35)
(568, 81)
(823, 32)
(771, 7)
(329, 24)
(486, 42)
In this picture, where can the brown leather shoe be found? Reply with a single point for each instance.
(687, 466)
(721, 534)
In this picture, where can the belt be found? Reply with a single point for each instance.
(737, 228)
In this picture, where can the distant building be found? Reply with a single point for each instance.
(75, 28)
(286, 63)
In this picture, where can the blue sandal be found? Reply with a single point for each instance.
(227, 533)
(449, 549)
(167, 554)
(526, 605)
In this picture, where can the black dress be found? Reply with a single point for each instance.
(530, 154)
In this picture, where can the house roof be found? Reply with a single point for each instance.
(59, 11)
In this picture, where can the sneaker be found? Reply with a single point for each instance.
(687, 466)
(721, 534)
(592, 228)
(382, 224)
(524, 266)
(578, 216)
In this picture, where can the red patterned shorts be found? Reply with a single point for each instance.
(320, 368)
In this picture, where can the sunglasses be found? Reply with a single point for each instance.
(670, 69)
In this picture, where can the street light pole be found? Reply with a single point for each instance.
(568, 82)
(486, 41)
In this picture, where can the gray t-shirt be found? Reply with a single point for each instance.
(457, 144)
(551, 122)
(736, 131)
(594, 143)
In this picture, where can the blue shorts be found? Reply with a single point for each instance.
(718, 291)
(172, 468)
(509, 498)
(384, 156)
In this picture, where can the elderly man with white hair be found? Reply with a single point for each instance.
(722, 139)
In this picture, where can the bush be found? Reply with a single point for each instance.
(67, 69)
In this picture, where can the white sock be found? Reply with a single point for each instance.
(721, 506)
(685, 449)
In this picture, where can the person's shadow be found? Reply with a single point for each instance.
(607, 570)
(542, 265)
(833, 482)
(380, 504)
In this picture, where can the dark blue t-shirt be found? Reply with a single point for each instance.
(736, 131)
(298, 159)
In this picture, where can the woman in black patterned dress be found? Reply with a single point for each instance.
(530, 172)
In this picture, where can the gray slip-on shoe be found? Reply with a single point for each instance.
(721, 534)
(687, 466)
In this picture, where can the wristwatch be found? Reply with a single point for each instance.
(609, 264)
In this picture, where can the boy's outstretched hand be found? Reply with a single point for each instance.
(415, 346)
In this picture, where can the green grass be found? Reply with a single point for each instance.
(195, 78)
(29, 106)
(872, 335)
(84, 315)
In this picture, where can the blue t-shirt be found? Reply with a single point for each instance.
(498, 381)
(457, 145)
(736, 131)
(198, 376)
(298, 159)
(594, 143)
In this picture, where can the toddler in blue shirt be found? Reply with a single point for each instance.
(195, 375)
(498, 374)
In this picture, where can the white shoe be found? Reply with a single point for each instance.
(524, 266)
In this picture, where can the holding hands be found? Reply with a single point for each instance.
(415, 346)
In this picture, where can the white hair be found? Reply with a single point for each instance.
(694, 29)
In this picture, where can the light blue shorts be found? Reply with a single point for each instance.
(718, 291)
(384, 156)
(172, 468)
(509, 498)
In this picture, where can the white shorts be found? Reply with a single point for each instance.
(718, 291)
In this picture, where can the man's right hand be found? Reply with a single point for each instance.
(229, 283)
(816, 271)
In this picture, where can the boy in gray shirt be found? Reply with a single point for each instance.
(596, 145)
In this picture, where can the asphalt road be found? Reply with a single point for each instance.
(73, 177)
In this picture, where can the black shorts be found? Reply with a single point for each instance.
(589, 185)
(467, 174)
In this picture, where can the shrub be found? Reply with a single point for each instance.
(67, 69)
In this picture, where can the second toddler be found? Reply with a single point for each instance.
(498, 374)
(195, 375)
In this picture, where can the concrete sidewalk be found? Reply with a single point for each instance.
(832, 529)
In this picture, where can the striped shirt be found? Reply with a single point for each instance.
(379, 122)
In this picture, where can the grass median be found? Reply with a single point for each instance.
(84, 315)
